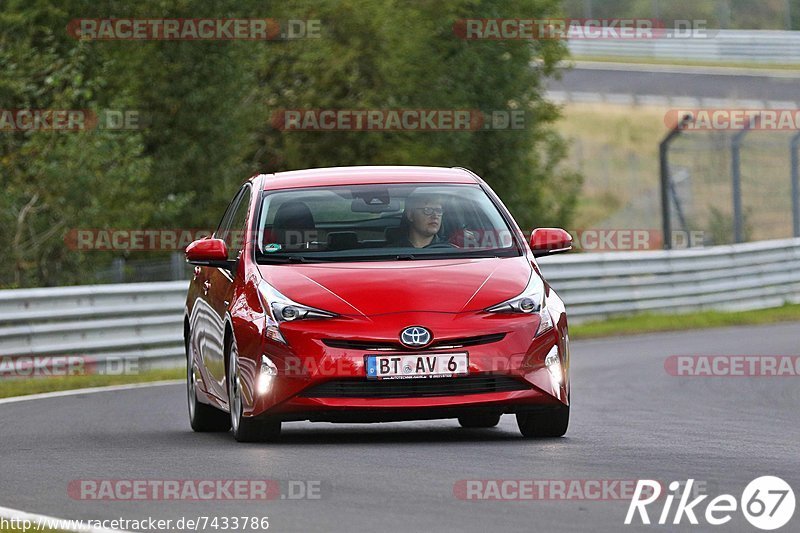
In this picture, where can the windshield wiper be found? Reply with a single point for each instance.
(421, 256)
(286, 259)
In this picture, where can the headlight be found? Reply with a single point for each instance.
(279, 308)
(529, 301)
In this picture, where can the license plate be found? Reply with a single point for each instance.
(442, 365)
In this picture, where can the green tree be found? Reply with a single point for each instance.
(405, 55)
(55, 181)
(206, 109)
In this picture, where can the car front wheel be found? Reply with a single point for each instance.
(202, 417)
(549, 423)
(245, 429)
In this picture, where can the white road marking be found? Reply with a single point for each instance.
(90, 390)
(60, 524)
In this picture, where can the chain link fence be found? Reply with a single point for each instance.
(702, 171)
(623, 187)
(733, 14)
(122, 270)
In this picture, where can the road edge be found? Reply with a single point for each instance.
(88, 390)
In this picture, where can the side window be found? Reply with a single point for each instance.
(224, 224)
(232, 228)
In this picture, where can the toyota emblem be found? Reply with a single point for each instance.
(415, 336)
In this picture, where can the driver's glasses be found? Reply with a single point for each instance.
(430, 211)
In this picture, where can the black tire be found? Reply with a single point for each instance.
(546, 424)
(479, 420)
(203, 417)
(251, 430)
(245, 429)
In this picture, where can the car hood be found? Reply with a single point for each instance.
(445, 286)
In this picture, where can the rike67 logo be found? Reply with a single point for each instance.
(767, 503)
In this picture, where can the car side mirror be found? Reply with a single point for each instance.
(549, 241)
(209, 252)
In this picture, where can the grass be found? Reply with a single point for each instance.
(648, 323)
(617, 168)
(21, 387)
(686, 62)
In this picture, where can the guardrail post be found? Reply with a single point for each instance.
(663, 149)
(796, 185)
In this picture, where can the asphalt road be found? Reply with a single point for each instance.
(688, 82)
(631, 420)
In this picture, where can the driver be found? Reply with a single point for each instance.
(421, 222)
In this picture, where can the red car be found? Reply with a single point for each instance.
(372, 294)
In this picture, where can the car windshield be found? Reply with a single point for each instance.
(381, 222)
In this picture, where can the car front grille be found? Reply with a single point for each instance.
(391, 346)
(414, 388)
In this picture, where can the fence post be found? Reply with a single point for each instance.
(587, 9)
(736, 177)
(118, 269)
(795, 185)
(177, 265)
(666, 188)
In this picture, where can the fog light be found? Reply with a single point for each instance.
(553, 363)
(266, 375)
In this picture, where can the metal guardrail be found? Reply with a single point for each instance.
(746, 276)
(740, 46)
(131, 321)
(143, 321)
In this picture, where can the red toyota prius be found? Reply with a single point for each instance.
(373, 294)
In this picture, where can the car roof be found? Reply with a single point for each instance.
(317, 177)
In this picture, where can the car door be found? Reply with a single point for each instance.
(219, 289)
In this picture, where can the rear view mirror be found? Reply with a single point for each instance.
(208, 252)
(549, 241)
(374, 204)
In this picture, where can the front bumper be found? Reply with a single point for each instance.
(308, 364)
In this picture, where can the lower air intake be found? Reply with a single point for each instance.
(414, 388)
